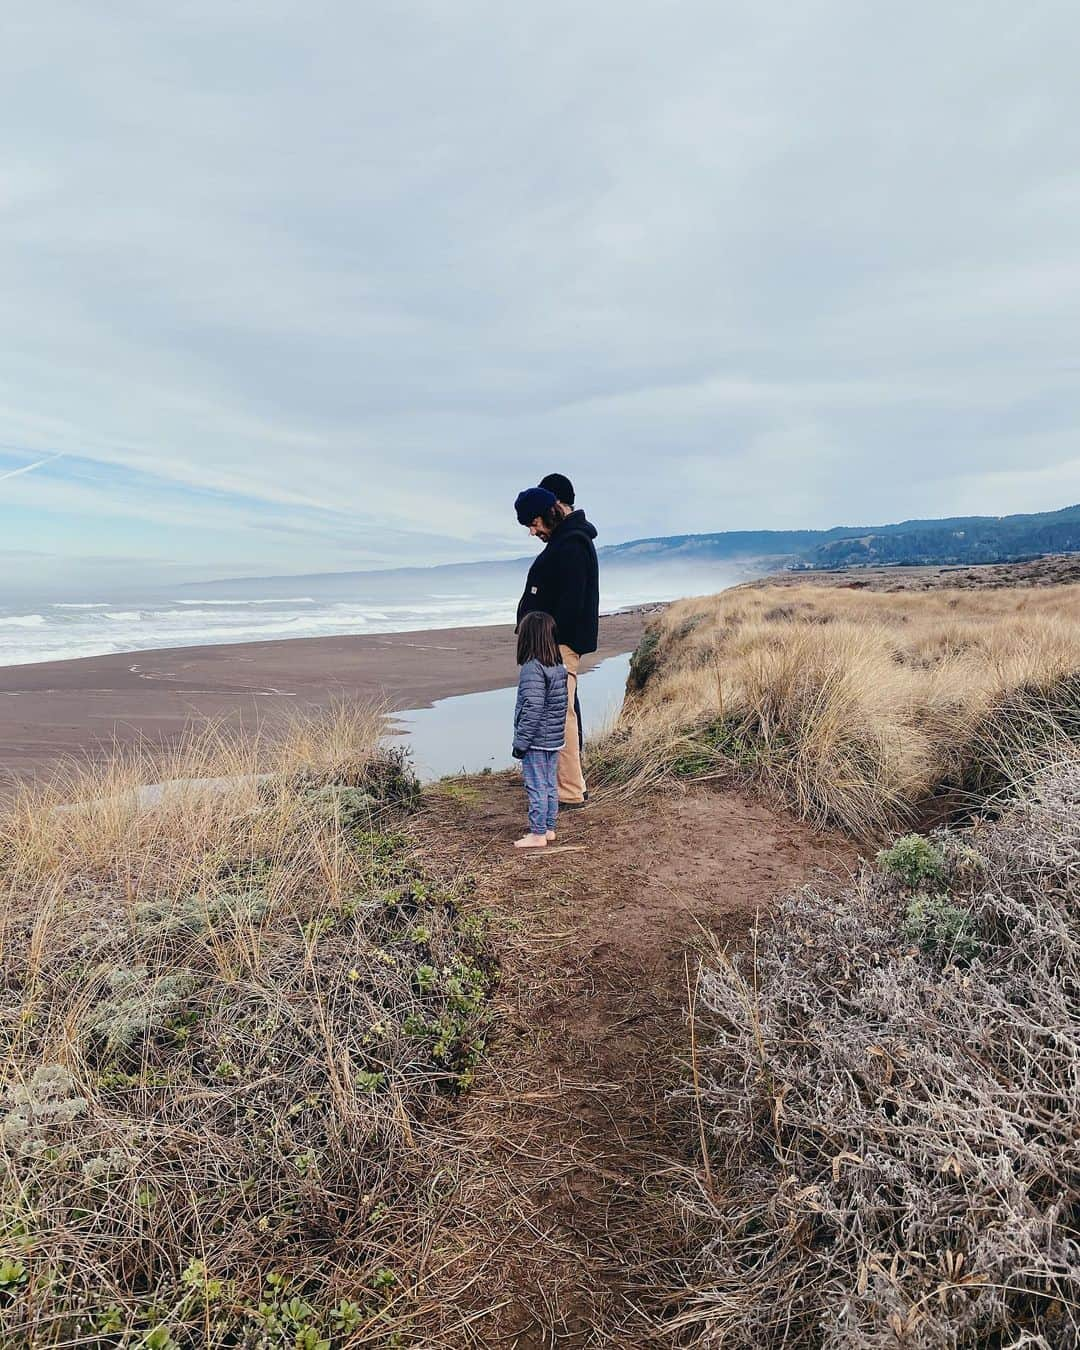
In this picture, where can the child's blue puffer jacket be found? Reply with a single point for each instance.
(540, 715)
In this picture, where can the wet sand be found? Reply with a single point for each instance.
(81, 708)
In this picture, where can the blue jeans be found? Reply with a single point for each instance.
(541, 785)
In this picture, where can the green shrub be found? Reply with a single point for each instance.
(195, 915)
(351, 807)
(913, 861)
(722, 739)
(643, 659)
(941, 928)
(48, 1101)
(139, 1002)
(688, 626)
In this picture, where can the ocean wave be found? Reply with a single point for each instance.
(188, 615)
(96, 604)
(71, 632)
(74, 651)
(285, 600)
(256, 621)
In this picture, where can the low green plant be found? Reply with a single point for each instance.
(458, 790)
(196, 1278)
(941, 928)
(139, 1002)
(347, 1316)
(317, 927)
(350, 807)
(913, 861)
(109, 1321)
(158, 1338)
(12, 1273)
(383, 847)
(158, 920)
(35, 1109)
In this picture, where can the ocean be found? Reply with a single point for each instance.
(63, 630)
(262, 609)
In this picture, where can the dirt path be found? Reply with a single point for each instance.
(565, 1215)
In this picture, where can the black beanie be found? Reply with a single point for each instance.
(560, 485)
(533, 502)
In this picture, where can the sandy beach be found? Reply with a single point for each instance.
(78, 708)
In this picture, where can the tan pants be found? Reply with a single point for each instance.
(570, 777)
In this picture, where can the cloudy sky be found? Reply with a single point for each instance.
(294, 287)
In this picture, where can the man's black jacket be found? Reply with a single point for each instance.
(564, 581)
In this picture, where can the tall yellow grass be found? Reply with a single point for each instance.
(215, 1128)
(852, 706)
(89, 818)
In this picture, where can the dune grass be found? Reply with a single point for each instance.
(227, 1024)
(854, 708)
(887, 1081)
(884, 1080)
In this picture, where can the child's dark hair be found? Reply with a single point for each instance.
(536, 639)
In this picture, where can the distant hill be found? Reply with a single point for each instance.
(978, 539)
(958, 539)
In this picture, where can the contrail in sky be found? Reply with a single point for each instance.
(26, 468)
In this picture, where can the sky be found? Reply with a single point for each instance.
(304, 287)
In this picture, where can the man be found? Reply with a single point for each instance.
(564, 495)
(564, 581)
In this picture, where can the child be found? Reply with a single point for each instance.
(539, 723)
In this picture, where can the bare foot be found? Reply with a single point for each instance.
(531, 841)
(550, 836)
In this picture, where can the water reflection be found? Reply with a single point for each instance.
(473, 732)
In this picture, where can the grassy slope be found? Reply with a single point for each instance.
(853, 707)
(890, 1089)
(231, 1024)
(237, 1026)
(227, 1024)
(887, 1079)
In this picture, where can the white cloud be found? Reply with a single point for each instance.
(727, 265)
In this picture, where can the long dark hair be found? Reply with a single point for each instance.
(552, 518)
(536, 639)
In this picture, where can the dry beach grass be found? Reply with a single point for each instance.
(884, 1085)
(226, 1025)
(854, 708)
(290, 1057)
(891, 1084)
